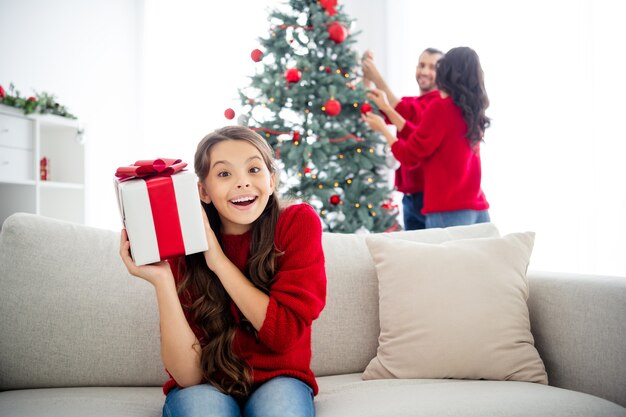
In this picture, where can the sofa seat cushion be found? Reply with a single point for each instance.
(349, 395)
(340, 396)
(83, 402)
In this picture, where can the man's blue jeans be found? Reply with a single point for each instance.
(456, 218)
(412, 205)
(278, 397)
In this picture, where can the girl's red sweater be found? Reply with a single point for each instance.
(452, 170)
(297, 296)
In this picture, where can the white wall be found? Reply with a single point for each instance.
(196, 56)
(85, 52)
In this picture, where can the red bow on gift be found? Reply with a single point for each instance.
(147, 168)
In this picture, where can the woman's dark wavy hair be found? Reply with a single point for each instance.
(209, 303)
(460, 75)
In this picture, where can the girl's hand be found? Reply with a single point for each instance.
(380, 98)
(375, 122)
(214, 254)
(154, 273)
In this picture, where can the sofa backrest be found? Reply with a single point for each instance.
(71, 313)
(73, 316)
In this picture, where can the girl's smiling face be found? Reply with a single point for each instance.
(239, 184)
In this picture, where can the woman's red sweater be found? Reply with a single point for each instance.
(452, 170)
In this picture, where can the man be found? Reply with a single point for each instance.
(409, 180)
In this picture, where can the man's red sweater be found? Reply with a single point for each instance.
(410, 178)
(297, 296)
(452, 170)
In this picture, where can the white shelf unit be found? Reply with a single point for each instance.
(24, 140)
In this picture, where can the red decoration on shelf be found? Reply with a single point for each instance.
(337, 32)
(43, 169)
(332, 107)
(229, 113)
(334, 199)
(366, 108)
(293, 75)
(256, 55)
(329, 6)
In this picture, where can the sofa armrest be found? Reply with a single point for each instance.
(579, 325)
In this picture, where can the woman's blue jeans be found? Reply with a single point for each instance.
(278, 397)
(456, 218)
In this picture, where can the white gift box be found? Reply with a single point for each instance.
(162, 216)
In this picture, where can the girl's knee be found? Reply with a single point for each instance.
(199, 401)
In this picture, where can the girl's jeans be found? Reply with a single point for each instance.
(278, 397)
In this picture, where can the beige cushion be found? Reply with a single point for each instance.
(345, 336)
(454, 310)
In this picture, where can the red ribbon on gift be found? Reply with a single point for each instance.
(157, 174)
(147, 168)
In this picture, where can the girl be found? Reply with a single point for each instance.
(236, 320)
(446, 141)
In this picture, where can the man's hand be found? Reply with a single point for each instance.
(380, 98)
(370, 71)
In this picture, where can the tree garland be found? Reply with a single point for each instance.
(42, 103)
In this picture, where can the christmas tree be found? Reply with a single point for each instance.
(306, 98)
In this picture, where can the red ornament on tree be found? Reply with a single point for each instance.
(332, 107)
(307, 170)
(366, 108)
(337, 32)
(256, 55)
(329, 6)
(334, 199)
(2, 93)
(229, 114)
(296, 136)
(293, 75)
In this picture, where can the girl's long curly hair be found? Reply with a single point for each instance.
(209, 303)
(460, 75)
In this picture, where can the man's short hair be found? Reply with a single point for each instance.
(433, 51)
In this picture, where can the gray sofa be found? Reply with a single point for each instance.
(79, 336)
